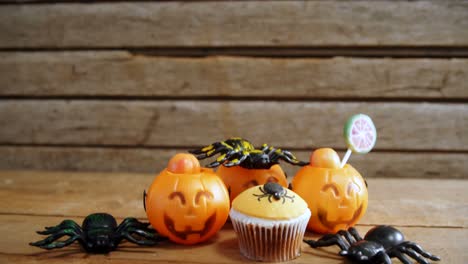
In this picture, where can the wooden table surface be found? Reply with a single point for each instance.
(433, 213)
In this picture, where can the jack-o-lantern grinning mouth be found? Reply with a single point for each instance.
(188, 229)
(322, 215)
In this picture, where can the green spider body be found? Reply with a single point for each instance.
(240, 152)
(98, 234)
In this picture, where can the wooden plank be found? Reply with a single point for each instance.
(256, 23)
(17, 231)
(142, 160)
(74, 194)
(304, 125)
(405, 202)
(122, 73)
(417, 201)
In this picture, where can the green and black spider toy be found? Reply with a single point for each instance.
(99, 233)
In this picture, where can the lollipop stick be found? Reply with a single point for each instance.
(346, 157)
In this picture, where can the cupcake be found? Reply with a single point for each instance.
(270, 222)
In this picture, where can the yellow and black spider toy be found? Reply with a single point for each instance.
(240, 152)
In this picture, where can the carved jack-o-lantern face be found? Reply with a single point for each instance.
(187, 203)
(336, 196)
(238, 179)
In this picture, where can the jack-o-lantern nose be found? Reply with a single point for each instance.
(344, 202)
(183, 163)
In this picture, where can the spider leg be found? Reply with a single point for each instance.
(201, 153)
(222, 159)
(65, 224)
(293, 159)
(48, 242)
(207, 151)
(58, 244)
(286, 156)
(260, 196)
(414, 255)
(215, 151)
(213, 164)
(264, 148)
(396, 253)
(138, 242)
(272, 154)
(211, 150)
(143, 242)
(328, 240)
(131, 226)
(350, 239)
(236, 162)
(130, 221)
(290, 197)
(354, 233)
(419, 250)
(149, 234)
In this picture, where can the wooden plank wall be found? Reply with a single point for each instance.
(122, 86)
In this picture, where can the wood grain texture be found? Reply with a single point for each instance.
(256, 23)
(119, 73)
(305, 125)
(406, 202)
(18, 231)
(142, 160)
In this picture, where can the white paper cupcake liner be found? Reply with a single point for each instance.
(269, 240)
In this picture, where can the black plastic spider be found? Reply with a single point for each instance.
(379, 245)
(100, 233)
(273, 189)
(240, 152)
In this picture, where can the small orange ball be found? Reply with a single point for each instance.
(183, 163)
(325, 158)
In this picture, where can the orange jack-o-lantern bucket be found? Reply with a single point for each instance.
(237, 179)
(187, 203)
(337, 197)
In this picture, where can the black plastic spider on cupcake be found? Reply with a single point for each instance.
(273, 189)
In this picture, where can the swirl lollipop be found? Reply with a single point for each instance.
(360, 135)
